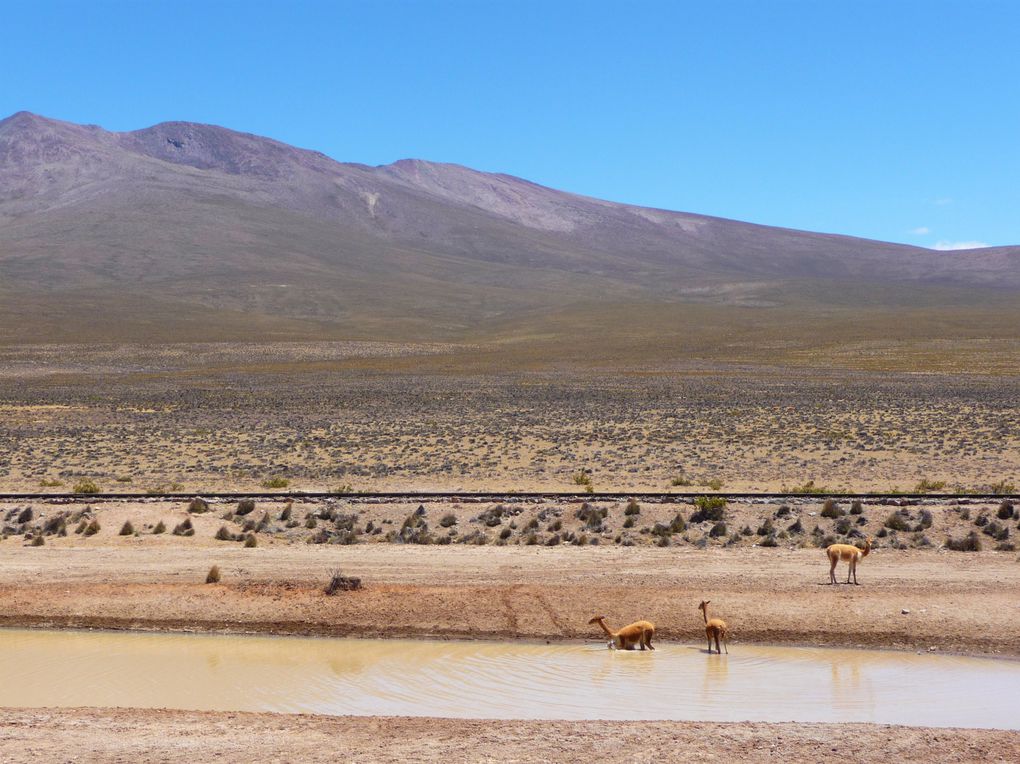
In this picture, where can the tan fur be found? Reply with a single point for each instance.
(714, 628)
(849, 554)
(637, 633)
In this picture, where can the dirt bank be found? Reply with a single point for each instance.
(128, 735)
(957, 602)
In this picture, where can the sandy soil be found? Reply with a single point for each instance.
(126, 735)
(957, 602)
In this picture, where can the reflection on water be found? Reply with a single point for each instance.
(495, 680)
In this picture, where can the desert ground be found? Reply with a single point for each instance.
(379, 416)
(357, 417)
(913, 596)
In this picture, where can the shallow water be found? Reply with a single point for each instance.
(502, 680)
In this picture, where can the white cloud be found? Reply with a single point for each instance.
(920, 230)
(949, 245)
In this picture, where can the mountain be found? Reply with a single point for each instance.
(184, 230)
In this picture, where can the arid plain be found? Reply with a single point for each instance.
(363, 417)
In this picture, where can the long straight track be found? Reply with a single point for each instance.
(662, 497)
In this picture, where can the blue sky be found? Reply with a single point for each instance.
(893, 119)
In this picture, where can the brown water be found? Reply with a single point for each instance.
(502, 680)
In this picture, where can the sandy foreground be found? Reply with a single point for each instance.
(957, 603)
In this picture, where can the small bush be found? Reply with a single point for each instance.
(895, 522)
(287, 511)
(276, 482)
(766, 528)
(970, 543)
(160, 528)
(25, 515)
(338, 582)
(555, 525)
(709, 508)
(48, 483)
(768, 541)
(127, 529)
(719, 529)
(250, 541)
(448, 520)
(198, 506)
(783, 511)
(1005, 511)
(85, 485)
(213, 576)
(505, 534)
(581, 478)
(245, 507)
(628, 523)
(796, 527)
(1003, 487)
(715, 484)
(224, 534)
(856, 507)
(926, 486)
(184, 528)
(680, 480)
(633, 508)
(831, 509)
(92, 528)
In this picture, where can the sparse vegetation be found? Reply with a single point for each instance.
(86, 486)
(213, 576)
(275, 482)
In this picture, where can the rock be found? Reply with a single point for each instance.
(905, 612)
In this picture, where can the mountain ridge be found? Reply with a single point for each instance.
(216, 220)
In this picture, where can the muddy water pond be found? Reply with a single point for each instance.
(502, 680)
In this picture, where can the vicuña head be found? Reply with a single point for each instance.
(639, 633)
(714, 628)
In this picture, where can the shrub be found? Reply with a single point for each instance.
(276, 482)
(843, 526)
(245, 507)
(591, 516)
(555, 525)
(37, 540)
(213, 576)
(582, 478)
(831, 509)
(783, 511)
(926, 520)
(1005, 511)
(448, 520)
(1003, 487)
(677, 524)
(709, 508)
(895, 522)
(160, 528)
(970, 543)
(224, 534)
(768, 541)
(633, 508)
(92, 528)
(809, 487)
(25, 515)
(505, 534)
(198, 506)
(250, 541)
(766, 528)
(719, 529)
(856, 507)
(85, 485)
(127, 529)
(680, 480)
(715, 484)
(338, 582)
(925, 486)
(1005, 547)
(287, 511)
(553, 540)
(796, 527)
(48, 483)
(344, 489)
(628, 523)
(184, 528)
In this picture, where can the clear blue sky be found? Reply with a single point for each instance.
(891, 119)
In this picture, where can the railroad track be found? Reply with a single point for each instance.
(661, 497)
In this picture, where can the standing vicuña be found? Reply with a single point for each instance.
(851, 554)
(714, 628)
(637, 633)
